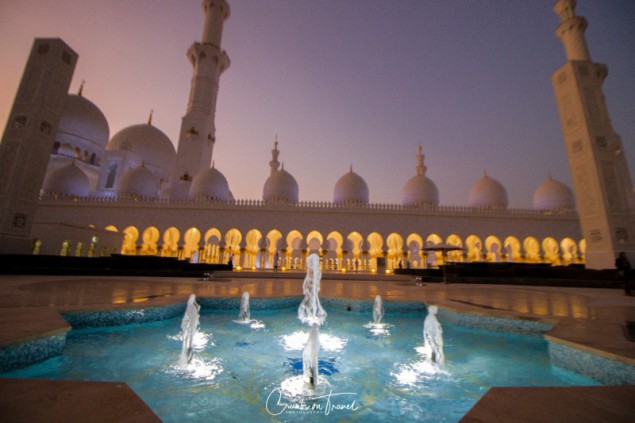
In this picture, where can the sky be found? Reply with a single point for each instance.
(343, 83)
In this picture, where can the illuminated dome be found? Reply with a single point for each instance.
(281, 186)
(67, 180)
(153, 147)
(83, 125)
(212, 184)
(139, 182)
(487, 193)
(553, 195)
(350, 188)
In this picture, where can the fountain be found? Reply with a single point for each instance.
(378, 310)
(433, 338)
(310, 310)
(244, 308)
(310, 363)
(189, 327)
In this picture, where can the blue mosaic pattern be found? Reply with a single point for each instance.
(254, 303)
(123, 317)
(29, 353)
(602, 369)
(497, 324)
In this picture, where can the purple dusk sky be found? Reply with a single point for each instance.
(343, 82)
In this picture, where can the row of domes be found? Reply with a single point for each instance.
(84, 126)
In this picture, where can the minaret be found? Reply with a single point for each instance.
(421, 169)
(28, 139)
(198, 133)
(600, 173)
(274, 164)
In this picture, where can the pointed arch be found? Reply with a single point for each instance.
(314, 241)
(457, 255)
(551, 251)
(512, 249)
(474, 247)
(493, 249)
(171, 238)
(150, 238)
(131, 235)
(191, 239)
(569, 251)
(532, 250)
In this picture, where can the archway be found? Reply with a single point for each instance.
(150, 238)
(171, 238)
(474, 248)
(532, 250)
(493, 247)
(131, 235)
(190, 249)
(512, 249)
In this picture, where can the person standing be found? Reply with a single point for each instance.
(624, 271)
(276, 261)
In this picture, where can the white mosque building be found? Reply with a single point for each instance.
(133, 193)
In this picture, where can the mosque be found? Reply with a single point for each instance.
(134, 193)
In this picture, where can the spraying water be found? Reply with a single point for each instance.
(378, 310)
(189, 327)
(433, 338)
(310, 369)
(310, 310)
(244, 308)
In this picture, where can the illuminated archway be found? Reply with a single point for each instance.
(551, 251)
(569, 251)
(456, 255)
(131, 235)
(294, 250)
(493, 247)
(512, 249)
(111, 228)
(314, 241)
(252, 249)
(474, 247)
(150, 238)
(582, 245)
(433, 258)
(532, 250)
(414, 243)
(233, 238)
(394, 241)
(190, 249)
(171, 238)
(211, 251)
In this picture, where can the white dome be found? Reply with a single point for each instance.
(281, 186)
(67, 180)
(350, 188)
(420, 191)
(153, 146)
(487, 193)
(553, 195)
(139, 182)
(212, 184)
(83, 125)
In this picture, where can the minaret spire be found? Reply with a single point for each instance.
(274, 164)
(421, 169)
(571, 30)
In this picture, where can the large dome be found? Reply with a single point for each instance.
(139, 182)
(83, 130)
(281, 186)
(420, 191)
(350, 188)
(153, 146)
(212, 184)
(67, 180)
(487, 193)
(553, 195)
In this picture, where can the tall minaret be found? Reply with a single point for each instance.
(198, 132)
(274, 164)
(601, 179)
(28, 139)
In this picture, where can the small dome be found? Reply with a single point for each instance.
(83, 124)
(350, 188)
(553, 195)
(139, 182)
(212, 184)
(487, 193)
(67, 180)
(420, 191)
(152, 145)
(281, 186)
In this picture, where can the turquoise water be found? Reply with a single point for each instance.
(245, 373)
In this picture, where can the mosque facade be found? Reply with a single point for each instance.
(134, 193)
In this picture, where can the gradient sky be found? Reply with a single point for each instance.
(343, 82)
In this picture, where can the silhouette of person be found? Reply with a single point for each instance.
(624, 271)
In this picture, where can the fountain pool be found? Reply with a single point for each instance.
(241, 373)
